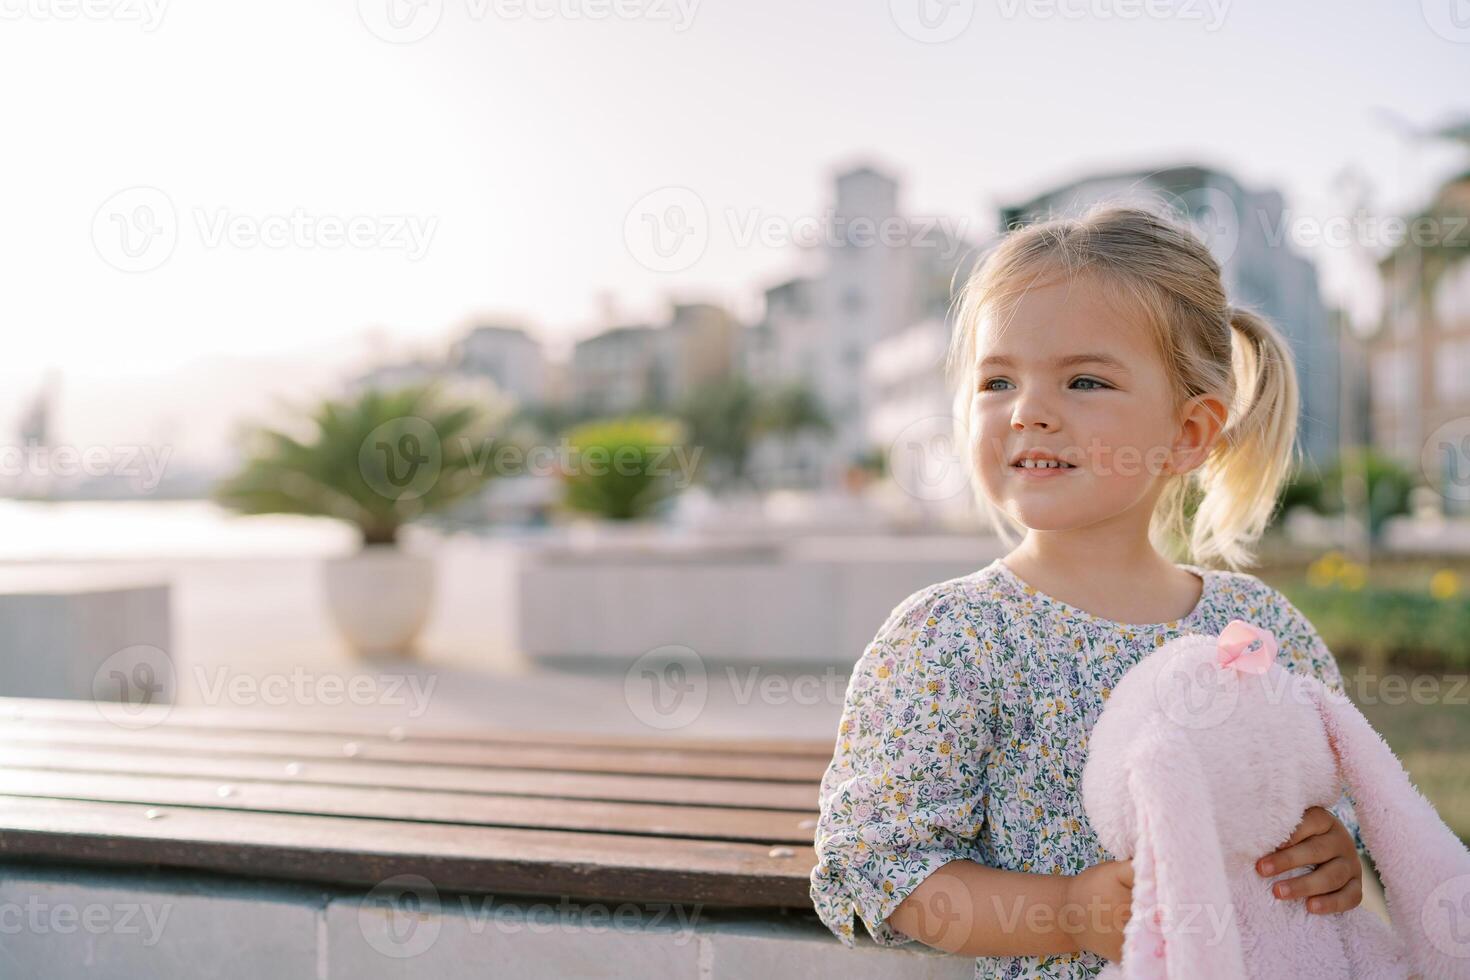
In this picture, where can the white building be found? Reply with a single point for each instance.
(639, 367)
(509, 356)
(616, 371)
(879, 272)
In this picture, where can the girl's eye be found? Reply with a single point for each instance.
(985, 385)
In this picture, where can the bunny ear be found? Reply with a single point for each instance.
(1425, 868)
(1182, 923)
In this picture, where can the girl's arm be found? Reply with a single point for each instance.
(903, 795)
(974, 910)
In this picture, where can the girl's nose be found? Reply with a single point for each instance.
(1030, 411)
(1021, 420)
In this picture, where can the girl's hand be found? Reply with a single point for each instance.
(1321, 839)
(1099, 903)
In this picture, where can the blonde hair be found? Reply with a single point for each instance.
(1156, 268)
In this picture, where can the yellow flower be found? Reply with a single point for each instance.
(944, 748)
(1444, 583)
(1325, 570)
(888, 887)
(1353, 576)
(883, 671)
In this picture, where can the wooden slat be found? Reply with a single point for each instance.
(357, 851)
(729, 765)
(333, 724)
(610, 787)
(657, 820)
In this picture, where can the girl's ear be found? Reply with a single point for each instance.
(1425, 868)
(1182, 923)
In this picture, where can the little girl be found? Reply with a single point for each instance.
(1104, 382)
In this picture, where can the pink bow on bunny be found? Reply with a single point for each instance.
(1233, 646)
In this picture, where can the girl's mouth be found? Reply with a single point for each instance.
(1042, 470)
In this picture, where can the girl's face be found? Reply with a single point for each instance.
(1067, 375)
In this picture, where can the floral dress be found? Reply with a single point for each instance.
(964, 731)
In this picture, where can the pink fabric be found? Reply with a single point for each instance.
(1202, 763)
(1234, 640)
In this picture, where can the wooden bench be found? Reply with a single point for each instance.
(256, 845)
(708, 821)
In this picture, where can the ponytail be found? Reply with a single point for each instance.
(1241, 479)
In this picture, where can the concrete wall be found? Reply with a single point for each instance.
(808, 601)
(69, 632)
(63, 924)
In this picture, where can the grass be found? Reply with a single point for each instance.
(1430, 735)
(1428, 726)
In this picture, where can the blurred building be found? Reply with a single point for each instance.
(696, 348)
(1420, 354)
(1246, 232)
(399, 375)
(509, 356)
(879, 273)
(645, 367)
(912, 419)
(615, 371)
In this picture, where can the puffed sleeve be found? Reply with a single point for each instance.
(902, 795)
(1306, 652)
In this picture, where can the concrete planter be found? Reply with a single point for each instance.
(379, 598)
(85, 633)
(797, 602)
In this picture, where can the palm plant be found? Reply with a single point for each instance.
(377, 459)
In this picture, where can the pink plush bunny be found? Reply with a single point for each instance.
(1204, 760)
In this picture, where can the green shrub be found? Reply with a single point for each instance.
(1389, 626)
(1388, 486)
(623, 468)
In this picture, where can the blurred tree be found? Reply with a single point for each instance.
(723, 419)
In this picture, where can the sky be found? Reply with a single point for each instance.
(208, 204)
